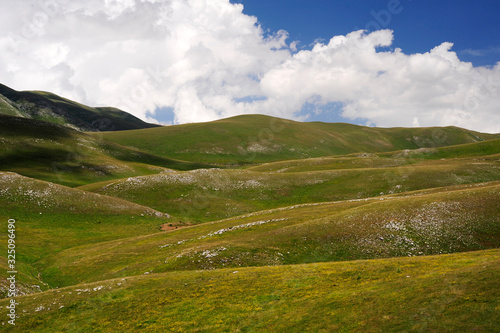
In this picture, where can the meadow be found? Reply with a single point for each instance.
(445, 293)
(250, 224)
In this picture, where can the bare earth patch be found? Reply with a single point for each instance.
(169, 226)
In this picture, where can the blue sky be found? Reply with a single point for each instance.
(419, 25)
(417, 63)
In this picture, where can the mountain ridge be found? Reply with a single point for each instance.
(53, 108)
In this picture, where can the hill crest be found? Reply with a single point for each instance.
(250, 139)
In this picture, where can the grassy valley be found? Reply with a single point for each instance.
(409, 225)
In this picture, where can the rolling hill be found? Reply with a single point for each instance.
(207, 195)
(483, 150)
(51, 218)
(453, 219)
(59, 154)
(252, 139)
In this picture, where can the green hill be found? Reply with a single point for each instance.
(51, 218)
(208, 195)
(257, 138)
(52, 108)
(55, 153)
(46, 211)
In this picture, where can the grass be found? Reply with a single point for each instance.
(258, 139)
(460, 219)
(7, 108)
(208, 195)
(447, 293)
(61, 155)
(489, 149)
(51, 218)
(318, 239)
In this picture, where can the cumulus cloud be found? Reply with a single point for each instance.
(205, 60)
(390, 88)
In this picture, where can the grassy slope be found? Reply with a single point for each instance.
(58, 154)
(450, 220)
(208, 195)
(447, 293)
(489, 149)
(51, 218)
(7, 108)
(256, 138)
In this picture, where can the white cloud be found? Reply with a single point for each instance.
(206, 60)
(390, 88)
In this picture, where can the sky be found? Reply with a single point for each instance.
(369, 62)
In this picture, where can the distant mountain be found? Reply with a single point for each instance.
(49, 107)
